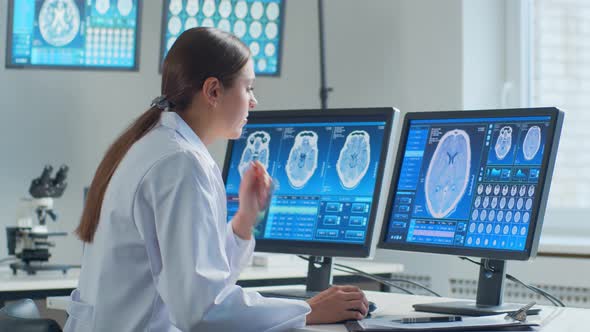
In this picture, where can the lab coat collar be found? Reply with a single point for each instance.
(173, 121)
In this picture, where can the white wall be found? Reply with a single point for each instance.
(57, 116)
(414, 54)
(484, 48)
(417, 55)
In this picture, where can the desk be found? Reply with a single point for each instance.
(554, 319)
(39, 286)
(54, 283)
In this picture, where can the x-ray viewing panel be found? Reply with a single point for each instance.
(324, 174)
(468, 183)
(258, 23)
(73, 34)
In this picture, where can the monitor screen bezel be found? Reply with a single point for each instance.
(385, 114)
(8, 58)
(165, 5)
(538, 210)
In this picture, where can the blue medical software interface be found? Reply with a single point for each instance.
(469, 183)
(324, 175)
(74, 33)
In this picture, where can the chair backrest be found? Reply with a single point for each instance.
(23, 316)
(22, 309)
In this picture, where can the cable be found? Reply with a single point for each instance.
(382, 280)
(472, 261)
(366, 275)
(556, 301)
(375, 278)
(392, 279)
(553, 299)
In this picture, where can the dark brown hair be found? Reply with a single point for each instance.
(197, 54)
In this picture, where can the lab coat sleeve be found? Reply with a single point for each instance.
(239, 252)
(193, 274)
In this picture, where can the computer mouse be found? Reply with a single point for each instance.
(372, 306)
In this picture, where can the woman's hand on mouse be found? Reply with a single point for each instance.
(336, 304)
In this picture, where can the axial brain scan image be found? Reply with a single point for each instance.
(504, 142)
(448, 173)
(102, 6)
(175, 7)
(59, 21)
(257, 148)
(125, 7)
(531, 143)
(303, 159)
(354, 159)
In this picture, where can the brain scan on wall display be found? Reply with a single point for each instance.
(256, 22)
(73, 34)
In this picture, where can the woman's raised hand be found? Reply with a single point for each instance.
(254, 195)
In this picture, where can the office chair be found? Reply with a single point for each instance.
(23, 316)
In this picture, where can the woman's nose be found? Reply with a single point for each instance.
(253, 102)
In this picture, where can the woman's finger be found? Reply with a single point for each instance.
(358, 305)
(351, 315)
(348, 288)
(350, 296)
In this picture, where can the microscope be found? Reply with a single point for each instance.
(29, 243)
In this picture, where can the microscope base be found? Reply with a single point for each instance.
(32, 269)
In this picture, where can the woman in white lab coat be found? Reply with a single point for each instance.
(158, 254)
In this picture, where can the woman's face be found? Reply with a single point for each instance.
(237, 101)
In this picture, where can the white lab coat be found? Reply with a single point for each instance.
(163, 257)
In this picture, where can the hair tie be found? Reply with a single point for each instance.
(162, 103)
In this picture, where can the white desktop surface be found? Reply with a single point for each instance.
(50, 280)
(552, 319)
(43, 280)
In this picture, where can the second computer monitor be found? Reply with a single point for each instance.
(472, 183)
(327, 168)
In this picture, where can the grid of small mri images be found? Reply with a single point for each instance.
(256, 22)
(73, 33)
(104, 34)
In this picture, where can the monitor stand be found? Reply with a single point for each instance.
(490, 290)
(319, 278)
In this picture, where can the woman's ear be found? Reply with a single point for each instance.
(212, 90)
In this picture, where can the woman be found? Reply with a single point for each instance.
(158, 253)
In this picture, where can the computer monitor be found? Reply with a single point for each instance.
(473, 183)
(326, 167)
(81, 34)
(258, 23)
